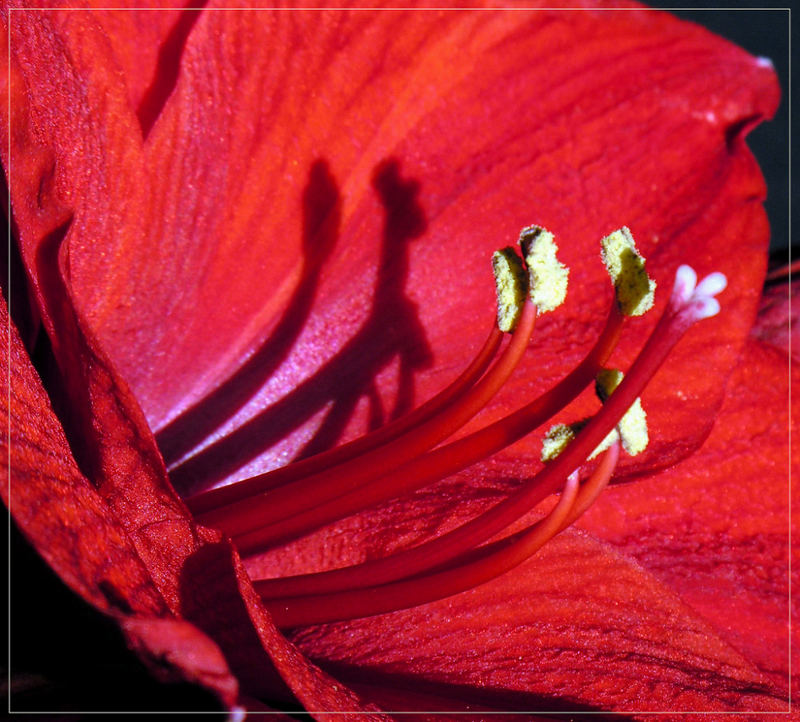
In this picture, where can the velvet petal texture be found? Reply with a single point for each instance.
(778, 313)
(718, 526)
(297, 208)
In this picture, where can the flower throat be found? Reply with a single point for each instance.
(408, 454)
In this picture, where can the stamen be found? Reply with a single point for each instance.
(355, 476)
(683, 310)
(592, 488)
(680, 314)
(635, 289)
(556, 440)
(511, 285)
(548, 277)
(382, 571)
(559, 436)
(208, 500)
(445, 460)
(246, 515)
(632, 426)
(475, 568)
(284, 502)
(410, 593)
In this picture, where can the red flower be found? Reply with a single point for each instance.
(258, 233)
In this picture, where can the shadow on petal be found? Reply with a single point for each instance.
(392, 330)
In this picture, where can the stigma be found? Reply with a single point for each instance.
(412, 452)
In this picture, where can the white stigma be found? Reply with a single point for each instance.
(685, 281)
(712, 284)
(699, 297)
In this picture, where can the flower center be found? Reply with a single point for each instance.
(407, 454)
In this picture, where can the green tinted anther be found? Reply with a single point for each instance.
(511, 285)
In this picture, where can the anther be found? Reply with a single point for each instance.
(558, 437)
(632, 426)
(634, 288)
(548, 276)
(556, 440)
(511, 285)
(453, 561)
(273, 510)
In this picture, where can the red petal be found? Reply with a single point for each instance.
(82, 540)
(72, 527)
(713, 532)
(556, 135)
(147, 47)
(578, 628)
(777, 322)
(50, 499)
(553, 117)
(716, 528)
(109, 431)
(219, 597)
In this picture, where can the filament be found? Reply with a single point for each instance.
(254, 512)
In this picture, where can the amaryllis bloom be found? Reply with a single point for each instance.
(243, 238)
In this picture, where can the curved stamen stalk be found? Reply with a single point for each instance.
(594, 486)
(448, 459)
(340, 482)
(248, 514)
(686, 306)
(351, 604)
(547, 287)
(382, 571)
(208, 500)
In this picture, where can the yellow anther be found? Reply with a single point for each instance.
(633, 426)
(559, 437)
(511, 284)
(556, 440)
(634, 289)
(548, 276)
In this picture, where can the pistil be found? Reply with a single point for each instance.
(424, 557)
(483, 565)
(446, 460)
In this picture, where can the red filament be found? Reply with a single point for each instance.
(448, 459)
(488, 563)
(288, 503)
(251, 513)
(214, 498)
(382, 571)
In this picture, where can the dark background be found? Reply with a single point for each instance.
(764, 32)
